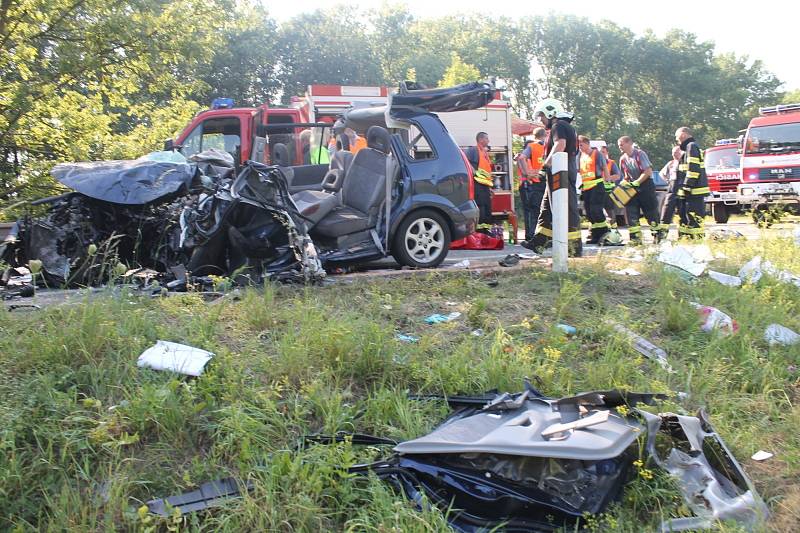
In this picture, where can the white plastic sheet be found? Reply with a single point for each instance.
(725, 279)
(693, 260)
(776, 334)
(165, 355)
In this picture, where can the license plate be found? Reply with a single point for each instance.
(729, 195)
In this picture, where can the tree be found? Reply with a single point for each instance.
(458, 72)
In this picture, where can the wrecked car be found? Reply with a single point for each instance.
(526, 462)
(206, 215)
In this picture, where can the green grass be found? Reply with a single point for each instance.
(87, 437)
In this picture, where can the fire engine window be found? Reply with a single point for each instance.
(219, 133)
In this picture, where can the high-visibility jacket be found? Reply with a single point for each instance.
(691, 173)
(360, 143)
(588, 170)
(537, 157)
(484, 173)
(609, 185)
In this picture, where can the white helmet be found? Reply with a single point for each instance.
(551, 108)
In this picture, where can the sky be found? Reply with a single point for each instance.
(771, 36)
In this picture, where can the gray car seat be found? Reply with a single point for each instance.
(316, 204)
(363, 189)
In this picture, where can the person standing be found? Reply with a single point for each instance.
(637, 173)
(670, 173)
(693, 186)
(478, 157)
(615, 215)
(531, 186)
(561, 137)
(594, 174)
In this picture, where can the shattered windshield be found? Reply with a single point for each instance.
(722, 159)
(777, 139)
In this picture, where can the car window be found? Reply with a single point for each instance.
(419, 146)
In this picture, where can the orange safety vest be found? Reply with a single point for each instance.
(361, 142)
(536, 162)
(588, 175)
(486, 166)
(610, 165)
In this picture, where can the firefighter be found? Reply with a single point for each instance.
(615, 215)
(693, 186)
(594, 174)
(531, 187)
(670, 173)
(478, 156)
(637, 173)
(561, 137)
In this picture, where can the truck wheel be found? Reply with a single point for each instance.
(422, 240)
(720, 212)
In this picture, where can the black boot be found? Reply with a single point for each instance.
(537, 244)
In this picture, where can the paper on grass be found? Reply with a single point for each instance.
(165, 355)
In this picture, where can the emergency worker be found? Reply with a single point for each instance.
(670, 173)
(531, 186)
(478, 157)
(561, 137)
(615, 215)
(594, 175)
(357, 142)
(637, 173)
(693, 186)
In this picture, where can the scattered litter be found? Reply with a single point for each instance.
(626, 272)
(724, 234)
(210, 494)
(644, 346)
(28, 307)
(402, 337)
(165, 355)
(567, 329)
(754, 270)
(725, 279)
(437, 318)
(476, 332)
(761, 455)
(450, 303)
(509, 260)
(751, 271)
(777, 334)
(715, 320)
(694, 260)
(461, 264)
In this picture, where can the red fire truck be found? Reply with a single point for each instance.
(770, 163)
(254, 133)
(724, 176)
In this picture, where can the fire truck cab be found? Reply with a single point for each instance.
(770, 163)
(724, 176)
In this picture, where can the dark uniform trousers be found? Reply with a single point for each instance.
(644, 204)
(544, 229)
(483, 197)
(531, 194)
(594, 201)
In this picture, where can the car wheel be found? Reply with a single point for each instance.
(422, 240)
(720, 213)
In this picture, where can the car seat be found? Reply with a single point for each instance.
(363, 189)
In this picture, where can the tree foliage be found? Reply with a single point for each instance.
(90, 79)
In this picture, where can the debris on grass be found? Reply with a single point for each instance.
(461, 264)
(776, 334)
(567, 329)
(476, 332)
(693, 260)
(761, 455)
(180, 358)
(402, 337)
(754, 270)
(724, 234)
(725, 279)
(715, 320)
(210, 494)
(509, 261)
(644, 346)
(438, 318)
(626, 272)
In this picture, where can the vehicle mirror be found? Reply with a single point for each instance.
(169, 145)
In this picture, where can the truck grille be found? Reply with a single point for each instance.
(727, 185)
(779, 173)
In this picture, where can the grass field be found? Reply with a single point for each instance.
(87, 437)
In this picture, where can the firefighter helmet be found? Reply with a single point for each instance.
(551, 108)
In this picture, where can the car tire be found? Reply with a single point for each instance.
(422, 240)
(720, 213)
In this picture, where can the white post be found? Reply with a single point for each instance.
(560, 209)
